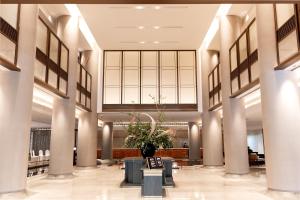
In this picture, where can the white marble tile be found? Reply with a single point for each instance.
(192, 183)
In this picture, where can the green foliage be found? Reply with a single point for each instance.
(139, 133)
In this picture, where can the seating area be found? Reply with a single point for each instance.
(38, 164)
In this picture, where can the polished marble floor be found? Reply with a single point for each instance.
(192, 183)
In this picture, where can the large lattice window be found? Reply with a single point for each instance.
(52, 60)
(84, 85)
(9, 33)
(244, 71)
(214, 85)
(287, 33)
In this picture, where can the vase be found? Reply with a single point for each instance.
(148, 150)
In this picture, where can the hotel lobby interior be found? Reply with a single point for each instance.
(178, 100)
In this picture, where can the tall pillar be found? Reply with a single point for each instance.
(87, 125)
(16, 90)
(280, 98)
(211, 121)
(234, 120)
(107, 141)
(63, 114)
(194, 141)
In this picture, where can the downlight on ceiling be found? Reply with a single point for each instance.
(139, 7)
(84, 28)
(156, 42)
(214, 26)
(141, 27)
(142, 42)
(157, 7)
(156, 27)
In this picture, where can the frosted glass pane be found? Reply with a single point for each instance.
(215, 78)
(216, 98)
(254, 71)
(62, 85)
(253, 37)
(9, 12)
(243, 48)
(234, 85)
(187, 95)
(88, 86)
(52, 78)
(169, 95)
(284, 12)
(112, 77)
(88, 102)
(149, 77)
(186, 58)
(211, 102)
(149, 58)
(112, 95)
(211, 85)
(82, 99)
(131, 95)
(131, 77)
(168, 58)
(168, 77)
(148, 93)
(83, 78)
(41, 37)
(54, 49)
(233, 58)
(187, 77)
(288, 46)
(7, 49)
(131, 58)
(113, 58)
(39, 70)
(77, 96)
(64, 58)
(244, 76)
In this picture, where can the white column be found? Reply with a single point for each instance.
(234, 121)
(63, 116)
(15, 107)
(211, 121)
(87, 122)
(194, 141)
(280, 107)
(107, 141)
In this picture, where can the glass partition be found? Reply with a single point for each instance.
(9, 33)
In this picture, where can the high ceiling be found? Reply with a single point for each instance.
(149, 26)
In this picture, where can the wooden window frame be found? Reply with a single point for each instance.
(216, 88)
(50, 64)
(243, 65)
(81, 89)
(292, 24)
(12, 34)
(149, 107)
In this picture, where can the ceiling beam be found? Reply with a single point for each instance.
(148, 1)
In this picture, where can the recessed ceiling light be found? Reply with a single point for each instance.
(156, 42)
(157, 7)
(141, 27)
(247, 18)
(142, 42)
(156, 27)
(139, 7)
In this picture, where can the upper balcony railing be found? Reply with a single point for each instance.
(84, 85)
(9, 35)
(52, 61)
(214, 84)
(287, 20)
(244, 70)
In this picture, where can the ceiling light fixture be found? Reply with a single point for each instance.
(214, 26)
(157, 7)
(84, 28)
(141, 27)
(142, 42)
(156, 27)
(139, 7)
(156, 42)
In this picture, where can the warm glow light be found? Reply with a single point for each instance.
(157, 7)
(247, 18)
(42, 98)
(100, 123)
(252, 99)
(142, 42)
(139, 7)
(141, 27)
(74, 11)
(156, 42)
(156, 27)
(214, 26)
